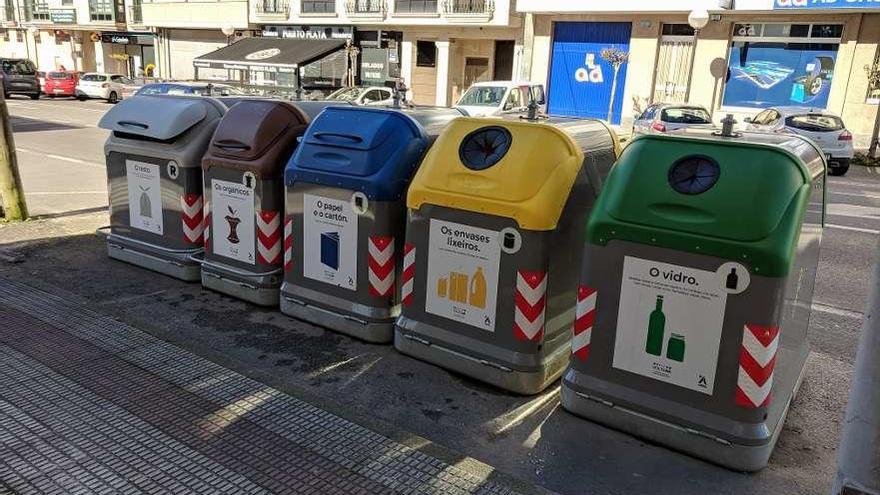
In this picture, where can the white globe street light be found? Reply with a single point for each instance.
(697, 19)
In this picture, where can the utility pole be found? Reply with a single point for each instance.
(11, 192)
(858, 462)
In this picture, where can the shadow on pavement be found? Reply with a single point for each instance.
(531, 438)
(27, 124)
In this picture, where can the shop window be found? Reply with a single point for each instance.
(799, 30)
(415, 6)
(677, 30)
(827, 31)
(426, 54)
(318, 6)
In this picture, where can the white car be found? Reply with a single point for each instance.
(660, 118)
(501, 97)
(370, 95)
(822, 126)
(110, 87)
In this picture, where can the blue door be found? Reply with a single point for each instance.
(580, 79)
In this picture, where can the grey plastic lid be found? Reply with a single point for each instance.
(155, 117)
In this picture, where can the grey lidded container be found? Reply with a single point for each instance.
(497, 214)
(345, 215)
(243, 171)
(154, 175)
(695, 295)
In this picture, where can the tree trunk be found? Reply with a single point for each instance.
(11, 192)
(613, 91)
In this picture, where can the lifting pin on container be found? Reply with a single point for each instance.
(727, 124)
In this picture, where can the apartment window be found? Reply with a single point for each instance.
(36, 11)
(67, 2)
(5, 34)
(318, 6)
(101, 10)
(416, 7)
(426, 54)
(18, 36)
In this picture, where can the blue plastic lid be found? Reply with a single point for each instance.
(372, 150)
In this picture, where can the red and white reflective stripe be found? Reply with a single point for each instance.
(757, 358)
(288, 244)
(381, 263)
(207, 225)
(584, 315)
(530, 301)
(191, 216)
(409, 273)
(268, 237)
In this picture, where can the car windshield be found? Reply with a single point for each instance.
(483, 96)
(685, 116)
(59, 75)
(94, 77)
(19, 68)
(150, 89)
(345, 94)
(815, 122)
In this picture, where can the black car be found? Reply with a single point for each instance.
(19, 77)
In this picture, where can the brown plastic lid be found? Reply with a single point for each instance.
(257, 136)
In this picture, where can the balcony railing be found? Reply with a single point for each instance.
(469, 7)
(136, 14)
(415, 7)
(366, 7)
(272, 7)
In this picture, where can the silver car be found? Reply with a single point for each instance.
(823, 127)
(660, 118)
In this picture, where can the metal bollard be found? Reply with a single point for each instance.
(858, 463)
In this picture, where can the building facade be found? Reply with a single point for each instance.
(761, 53)
(82, 35)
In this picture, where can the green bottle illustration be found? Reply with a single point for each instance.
(656, 328)
(675, 348)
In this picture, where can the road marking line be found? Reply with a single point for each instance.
(839, 182)
(834, 310)
(72, 160)
(853, 229)
(62, 193)
(867, 196)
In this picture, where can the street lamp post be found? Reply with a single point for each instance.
(697, 19)
(32, 30)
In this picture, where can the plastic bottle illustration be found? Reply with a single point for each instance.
(477, 294)
(442, 286)
(458, 287)
(675, 348)
(656, 329)
(732, 279)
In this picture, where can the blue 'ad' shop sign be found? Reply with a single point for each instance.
(826, 4)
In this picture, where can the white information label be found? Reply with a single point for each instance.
(232, 221)
(463, 273)
(669, 323)
(330, 231)
(144, 196)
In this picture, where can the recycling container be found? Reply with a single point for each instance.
(345, 215)
(243, 173)
(154, 155)
(695, 294)
(497, 213)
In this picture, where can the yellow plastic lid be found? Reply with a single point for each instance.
(529, 184)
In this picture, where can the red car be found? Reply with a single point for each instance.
(61, 83)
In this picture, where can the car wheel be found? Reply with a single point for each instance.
(112, 98)
(82, 98)
(838, 170)
(35, 97)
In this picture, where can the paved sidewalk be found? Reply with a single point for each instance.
(93, 405)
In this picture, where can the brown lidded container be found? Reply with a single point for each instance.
(243, 173)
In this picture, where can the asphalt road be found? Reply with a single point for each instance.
(531, 438)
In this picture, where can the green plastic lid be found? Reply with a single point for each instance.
(738, 198)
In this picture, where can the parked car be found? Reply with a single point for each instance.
(188, 88)
(61, 83)
(501, 97)
(110, 87)
(41, 76)
(19, 77)
(668, 117)
(366, 95)
(823, 127)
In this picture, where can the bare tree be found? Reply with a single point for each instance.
(616, 57)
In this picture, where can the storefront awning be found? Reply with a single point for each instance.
(268, 54)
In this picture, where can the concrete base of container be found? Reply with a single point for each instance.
(174, 263)
(375, 325)
(254, 289)
(640, 420)
(526, 382)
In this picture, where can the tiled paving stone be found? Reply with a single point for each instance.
(93, 405)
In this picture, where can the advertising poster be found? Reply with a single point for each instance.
(144, 196)
(232, 221)
(670, 321)
(330, 230)
(462, 279)
(777, 74)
